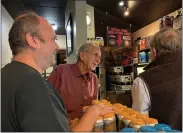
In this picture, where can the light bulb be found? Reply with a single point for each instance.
(126, 13)
(121, 3)
(88, 20)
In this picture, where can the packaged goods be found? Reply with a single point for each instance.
(162, 127)
(110, 122)
(99, 126)
(147, 129)
(128, 130)
(137, 123)
(151, 121)
(96, 102)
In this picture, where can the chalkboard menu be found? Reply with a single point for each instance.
(118, 37)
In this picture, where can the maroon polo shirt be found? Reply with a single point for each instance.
(76, 90)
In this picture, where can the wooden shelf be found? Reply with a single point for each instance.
(146, 49)
(143, 64)
(127, 65)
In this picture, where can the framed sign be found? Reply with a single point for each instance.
(69, 35)
(118, 37)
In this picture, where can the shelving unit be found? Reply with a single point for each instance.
(146, 49)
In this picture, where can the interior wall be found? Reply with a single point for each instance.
(91, 27)
(61, 41)
(7, 22)
(151, 28)
(102, 20)
(78, 11)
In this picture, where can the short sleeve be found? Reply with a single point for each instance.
(36, 110)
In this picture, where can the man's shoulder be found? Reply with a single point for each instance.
(64, 66)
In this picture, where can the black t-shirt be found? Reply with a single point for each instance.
(29, 103)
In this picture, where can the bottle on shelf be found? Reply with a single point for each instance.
(143, 57)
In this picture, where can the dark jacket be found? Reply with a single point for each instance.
(163, 78)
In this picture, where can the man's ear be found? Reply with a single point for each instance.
(82, 55)
(32, 41)
(154, 51)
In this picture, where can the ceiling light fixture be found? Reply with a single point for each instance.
(121, 3)
(88, 20)
(126, 13)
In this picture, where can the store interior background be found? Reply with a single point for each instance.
(144, 18)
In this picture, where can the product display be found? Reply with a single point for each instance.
(99, 126)
(128, 130)
(173, 131)
(95, 102)
(150, 121)
(110, 122)
(124, 119)
(148, 129)
(137, 123)
(162, 127)
(120, 117)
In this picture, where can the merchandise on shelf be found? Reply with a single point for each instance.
(142, 57)
(142, 44)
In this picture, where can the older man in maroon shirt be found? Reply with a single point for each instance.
(76, 83)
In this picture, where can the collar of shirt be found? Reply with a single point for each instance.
(77, 73)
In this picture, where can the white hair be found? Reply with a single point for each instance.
(83, 48)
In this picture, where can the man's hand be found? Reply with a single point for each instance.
(100, 109)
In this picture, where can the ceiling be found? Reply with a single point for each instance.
(52, 10)
(142, 12)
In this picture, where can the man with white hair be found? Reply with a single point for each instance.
(158, 90)
(76, 83)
